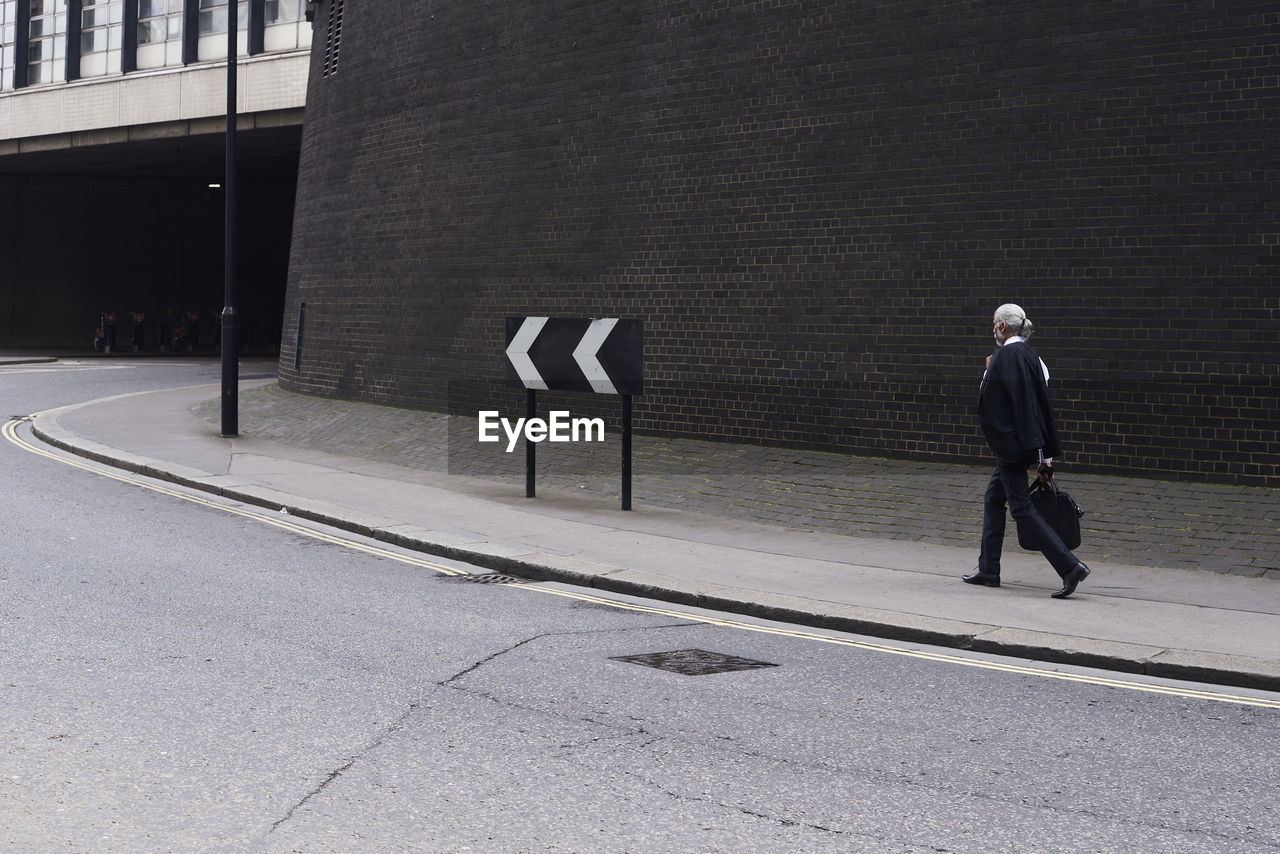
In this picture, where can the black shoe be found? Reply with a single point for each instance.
(1071, 580)
(985, 578)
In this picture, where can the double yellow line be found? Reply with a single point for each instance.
(10, 432)
(926, 655)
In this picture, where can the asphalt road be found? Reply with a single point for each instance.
(181, 675)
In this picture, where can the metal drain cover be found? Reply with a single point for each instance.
(693, 662)
(488, 578)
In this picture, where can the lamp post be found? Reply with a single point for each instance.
(230, 342)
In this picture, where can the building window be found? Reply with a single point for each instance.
(213, 28)
(159, 21)
(160, 28)
(47, 49)
(8, 34)
(101, 32)
(34, 51)
(213, 16)
(99, 26)
(283, 11)
(285, 27)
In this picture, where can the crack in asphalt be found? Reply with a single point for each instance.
(455, 677)
(784, 822)
(482, 662)
(446, 683)
(337, 772)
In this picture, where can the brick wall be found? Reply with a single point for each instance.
(814, 207)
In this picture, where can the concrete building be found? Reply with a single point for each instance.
(112, 121)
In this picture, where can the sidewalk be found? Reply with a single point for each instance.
(1185, 583)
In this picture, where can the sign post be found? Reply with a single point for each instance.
(626, 452)
(530, 448)
(604, 356)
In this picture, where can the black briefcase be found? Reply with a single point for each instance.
(1058, 509)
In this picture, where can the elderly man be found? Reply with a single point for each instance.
(1013, 408)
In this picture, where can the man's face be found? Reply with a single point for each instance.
(1000, 330)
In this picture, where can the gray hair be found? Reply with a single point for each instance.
(1015, 318)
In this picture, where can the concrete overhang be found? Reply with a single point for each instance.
(163, 122)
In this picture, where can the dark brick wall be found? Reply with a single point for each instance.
(815, 208)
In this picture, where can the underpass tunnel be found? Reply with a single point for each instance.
(138, 228)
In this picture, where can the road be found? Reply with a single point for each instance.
(179, 674)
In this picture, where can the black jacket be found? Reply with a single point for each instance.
(1013, 406)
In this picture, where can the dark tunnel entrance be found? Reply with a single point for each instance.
(135, 231)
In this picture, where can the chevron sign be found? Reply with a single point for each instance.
(573, 354)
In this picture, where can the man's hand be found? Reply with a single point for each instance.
(1045, 472)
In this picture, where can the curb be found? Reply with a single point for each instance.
(26, 360)
(1159, 662)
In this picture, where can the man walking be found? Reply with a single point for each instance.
(1013, 408)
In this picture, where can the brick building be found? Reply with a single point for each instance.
(814, 206)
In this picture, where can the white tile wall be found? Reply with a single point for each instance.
(272, 82)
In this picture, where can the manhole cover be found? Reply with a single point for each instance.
(488, 578)
(693, 662)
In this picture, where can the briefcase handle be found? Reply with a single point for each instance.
(1042, 485)
(1052, 487)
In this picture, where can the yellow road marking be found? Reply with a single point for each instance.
(927, 655)
(10, 432)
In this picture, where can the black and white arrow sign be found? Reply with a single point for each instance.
(575, 354)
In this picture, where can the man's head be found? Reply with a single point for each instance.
(1008, 321)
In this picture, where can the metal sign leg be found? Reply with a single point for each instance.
(626, 452)
(530, 448)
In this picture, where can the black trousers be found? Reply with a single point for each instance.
(1008, 486)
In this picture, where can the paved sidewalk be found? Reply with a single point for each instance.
(1186, 580)
(1153, 523)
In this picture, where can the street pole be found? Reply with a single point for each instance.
(230, 343)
